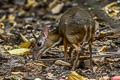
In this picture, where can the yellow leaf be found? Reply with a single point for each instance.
(30, 3)
(21, 51)
(104, 48)
(25, 44)
(75, 76)
(2, 18)
(111, 4)
(13, 22)
(6, 47)
(1, 31)
(22, 11)
(2, 26)
(17, 72)
(11, 17)
(52, 4)
(112, 10)
(24, 38)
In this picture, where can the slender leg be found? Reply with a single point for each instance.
(90, 49)
(77, 57)
(70, 53)
(65, 49)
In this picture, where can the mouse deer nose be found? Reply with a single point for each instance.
(39, 44)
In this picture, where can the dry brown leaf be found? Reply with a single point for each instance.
(57, 8)
(50, 75)
(75, 76)
(63, 63)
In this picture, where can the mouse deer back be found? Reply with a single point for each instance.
(76, 27)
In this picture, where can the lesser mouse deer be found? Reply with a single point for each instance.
(76, 27)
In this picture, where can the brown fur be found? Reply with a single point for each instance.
(76, 26)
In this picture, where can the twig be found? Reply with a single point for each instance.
(34, 35)
(106, 54)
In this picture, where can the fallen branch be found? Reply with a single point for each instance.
(105, 54)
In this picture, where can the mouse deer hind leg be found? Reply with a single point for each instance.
(65, 49)
(79, 49)
(90, 51)
(71, 54)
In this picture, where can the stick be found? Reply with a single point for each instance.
(106, 54)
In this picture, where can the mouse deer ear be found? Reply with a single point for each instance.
(46, 31)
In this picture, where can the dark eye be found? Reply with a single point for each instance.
(39, 44)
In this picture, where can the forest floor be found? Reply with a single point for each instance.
(20, 21)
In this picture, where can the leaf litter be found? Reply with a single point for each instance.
(17, 39)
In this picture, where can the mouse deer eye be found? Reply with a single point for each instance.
(42, 40)
(97, 33)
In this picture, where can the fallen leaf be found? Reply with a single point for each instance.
(11, 17)
(21, 51)
(57, 8)
(25, 44)
(50, 75)
(17, 73)
(37, 79)
(6, 47)
(13, 22)
(104, 48)
(2, 26)
(1, 31)
(2, 18)
(112, 10)
(63, 63)
(53, 3)
(75, 76)
(31, 3)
